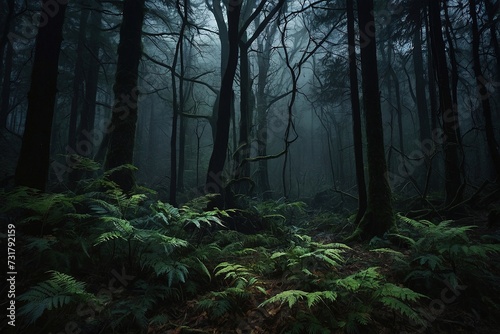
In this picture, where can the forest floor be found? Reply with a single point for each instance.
(281, 267)
(458, 316)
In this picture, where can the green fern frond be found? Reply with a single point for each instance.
(61, 289)
(401, 293)
(216, 307)
(403, 309)
(292, 297)
(388, 251)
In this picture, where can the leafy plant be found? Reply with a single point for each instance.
(242, 285)
(438, 252)
(305, 256)
(59, 290)
(351, 300)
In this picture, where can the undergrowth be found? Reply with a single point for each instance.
(99, 260)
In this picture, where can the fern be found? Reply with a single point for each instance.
(60, 290)
(216, 307)
(292, 297)
(439, 251)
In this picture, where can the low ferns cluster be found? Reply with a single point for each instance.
(326, 300)
(54, 293)
(94, 232)
(437, 252)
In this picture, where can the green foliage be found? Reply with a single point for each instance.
(355, 298)
(59, 290)
(305, 256)
(291, 297)
(242, 285)
(438, 252)
(133, 310)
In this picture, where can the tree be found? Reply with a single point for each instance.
(178, 103)
(33, 164)
(483, 91)
(213, 182)
(123, 122)
(356, 114)
(448, 111)
(418, 67)
(264, 44)
(378, 217)
(6, 87)
(247, 101)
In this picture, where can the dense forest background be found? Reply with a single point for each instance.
(251, 160)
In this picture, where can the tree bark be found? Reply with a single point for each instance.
(124, 118)
(5, 104)
(418, 68)
(357, 132)
(33, 164)
(214, 183)
(243, 150)
(483, 93)
(453, 177)
(379, 216)
(491, 11)
(4, 39)
(91, 84)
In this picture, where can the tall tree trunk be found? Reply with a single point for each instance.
(491, 11)
(86, 131)
(418, 68)
(214, 183)
(77, 92)
(378, 217)
(356, 114)
(453, 178)
(5, 100)
(483, 91)
(263, 63)
(433, 99)
(243, 150)
(4, 38)
(33, 165)
(185, 93)
(78, 78)
(124, 118)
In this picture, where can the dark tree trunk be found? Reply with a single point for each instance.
(87, 121)
(5, 104)
(378, 217)
(242, 170)
(433, 99)
(33, 165)
(218, 158)
(124, 118)
(491, 11)
(4, 39)
(77, 93)
(418, 67)
(453, 178)
(483, 91)
(357, 132)
(78, 78)
(185, 93)
(178, 103)
(263, 63)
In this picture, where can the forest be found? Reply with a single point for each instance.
(250, 166)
